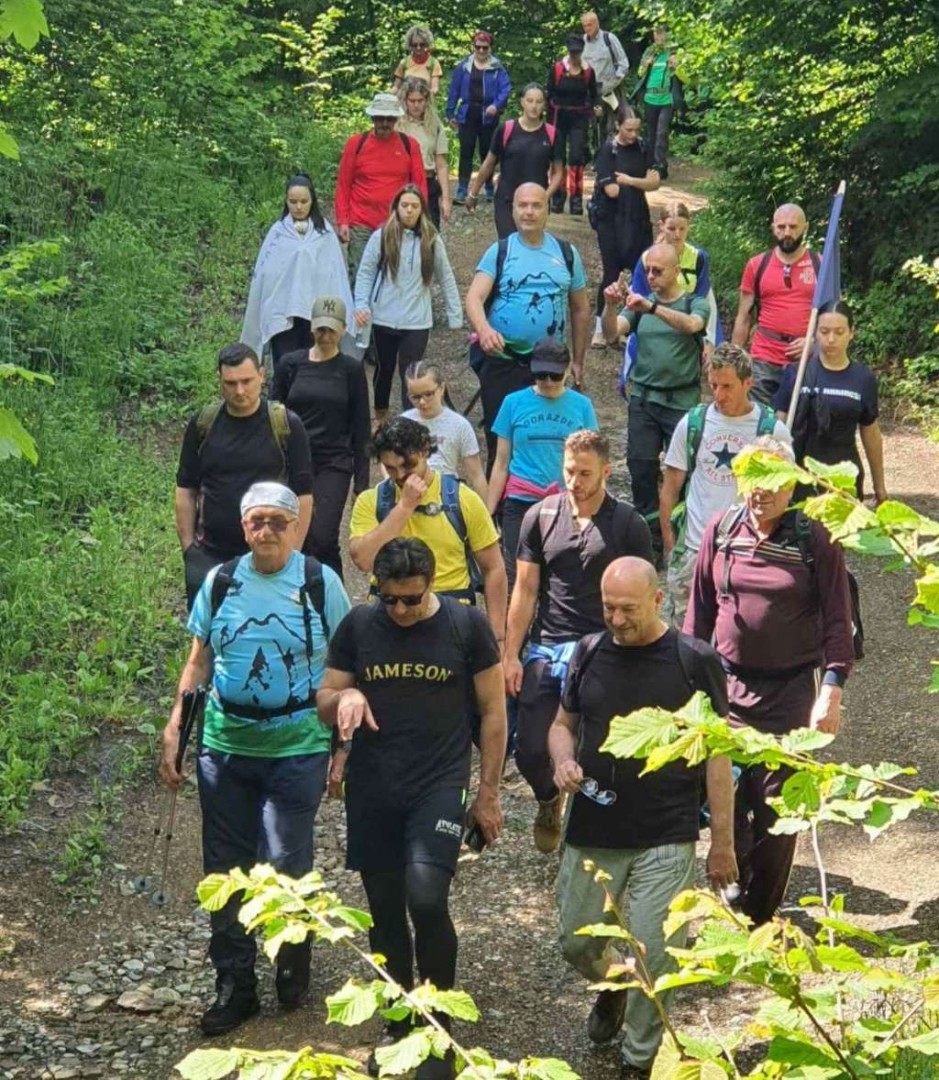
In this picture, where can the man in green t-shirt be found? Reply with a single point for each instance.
(666, 377)
(657, 85)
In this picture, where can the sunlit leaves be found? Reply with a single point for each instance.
(303, 1064)
(23, 20)
(354, 1003)
(15, 440)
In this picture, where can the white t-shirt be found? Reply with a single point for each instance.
(713, 486)
(455, 439)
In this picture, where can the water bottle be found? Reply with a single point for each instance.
(363, 335)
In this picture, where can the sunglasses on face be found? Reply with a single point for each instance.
(426, 396)
(655, 271)
(482, 48)
(277, 525)
(787, 275)
(551, 376)
(590, 788)
(409, 600)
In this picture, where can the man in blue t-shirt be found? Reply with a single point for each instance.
(259, 646)
(541, 292)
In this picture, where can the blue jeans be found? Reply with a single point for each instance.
(254, 810)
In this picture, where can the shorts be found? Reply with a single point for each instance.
(388, 835)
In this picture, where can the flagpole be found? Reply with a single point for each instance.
(806, 347)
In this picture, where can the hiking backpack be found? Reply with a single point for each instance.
(312, 594)
(550, 130)
(276, 414)
(803, 537)
(567, 250)
(449, 506)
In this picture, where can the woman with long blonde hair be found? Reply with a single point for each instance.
(401, 262)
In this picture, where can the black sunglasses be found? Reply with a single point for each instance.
(409, 600)
(787, 275)
(552, 376)
(277, 525)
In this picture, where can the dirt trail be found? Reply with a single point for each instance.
(64, 960)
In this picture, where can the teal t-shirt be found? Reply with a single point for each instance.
(260, 659)
(668, 363)
(531, 301)
(537, 427)
(659, 83)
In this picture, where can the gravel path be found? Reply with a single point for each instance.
(100, 984)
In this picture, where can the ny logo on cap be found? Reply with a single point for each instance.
(329, 305)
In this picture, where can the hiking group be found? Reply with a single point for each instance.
(514, 604)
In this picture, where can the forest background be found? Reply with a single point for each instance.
(143, 149)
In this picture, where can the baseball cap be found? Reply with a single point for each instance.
(328, 311)
(270, 494)
(385, 105)
(549, 359)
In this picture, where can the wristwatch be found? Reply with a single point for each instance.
(655, 305)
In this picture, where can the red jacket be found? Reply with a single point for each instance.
(371, 172)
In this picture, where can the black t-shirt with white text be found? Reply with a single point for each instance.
(572, 561)
(418, 681)
(238, 452)
(663, 807)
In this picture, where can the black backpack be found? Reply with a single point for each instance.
(803, 536)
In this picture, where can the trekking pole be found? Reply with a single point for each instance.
(193, 703)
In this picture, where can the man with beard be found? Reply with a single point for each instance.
(776, 293)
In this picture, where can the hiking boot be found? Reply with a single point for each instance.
(395, 1030)
(633, 1072)
(293, 973)
(460, 197)
(557, 204)
(598, 341)
(236, 1001)
(576, 205)
(606, 1016)
(547, 827)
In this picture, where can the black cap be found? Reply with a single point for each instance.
(575, 43)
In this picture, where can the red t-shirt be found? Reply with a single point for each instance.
(370, 177)
(784, 308)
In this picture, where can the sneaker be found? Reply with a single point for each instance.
(395, 1030)
(557, 204)
(606, 1016)
(236, 1001)
(576, 205)
(460, 197)
(598, 341)
(547, 827)
(293, 974)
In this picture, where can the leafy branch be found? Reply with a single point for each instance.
(287, 911)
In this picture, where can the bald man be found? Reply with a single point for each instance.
(640, 831)
(669, 326)
(528, 286)
(776, 293)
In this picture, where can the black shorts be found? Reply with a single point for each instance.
(389, 835)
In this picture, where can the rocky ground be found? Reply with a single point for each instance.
(96, 982)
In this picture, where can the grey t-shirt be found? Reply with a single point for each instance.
(455, 439)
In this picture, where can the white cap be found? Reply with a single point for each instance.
(268, 493)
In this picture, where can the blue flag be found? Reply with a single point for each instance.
(828, 285)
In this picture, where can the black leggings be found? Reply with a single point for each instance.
(395, 349)
(330, 491)
(473, 130)
(573, 131)
(421, 890)
(621, 246)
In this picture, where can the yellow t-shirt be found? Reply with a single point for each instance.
(430, 146)
(427, 71)
(436, 531)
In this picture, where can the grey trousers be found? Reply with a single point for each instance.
(644, 881)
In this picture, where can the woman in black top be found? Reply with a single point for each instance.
(524, 150)
(328, 391)
(573, 96)
(837, 401)
(624, 229)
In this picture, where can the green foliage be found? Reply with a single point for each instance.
(287, 910)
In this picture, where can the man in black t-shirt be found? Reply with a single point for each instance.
(403, 680)
(228, 446)
(566, 542)
(640, 831)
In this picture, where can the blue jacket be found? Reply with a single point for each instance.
(496, 90)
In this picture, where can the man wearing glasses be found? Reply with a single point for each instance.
(776, 291)
(640, 831)
(665, 379)
(404, 678)
(417, 509)
(259, 645)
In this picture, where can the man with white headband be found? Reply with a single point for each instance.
(261, 624)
